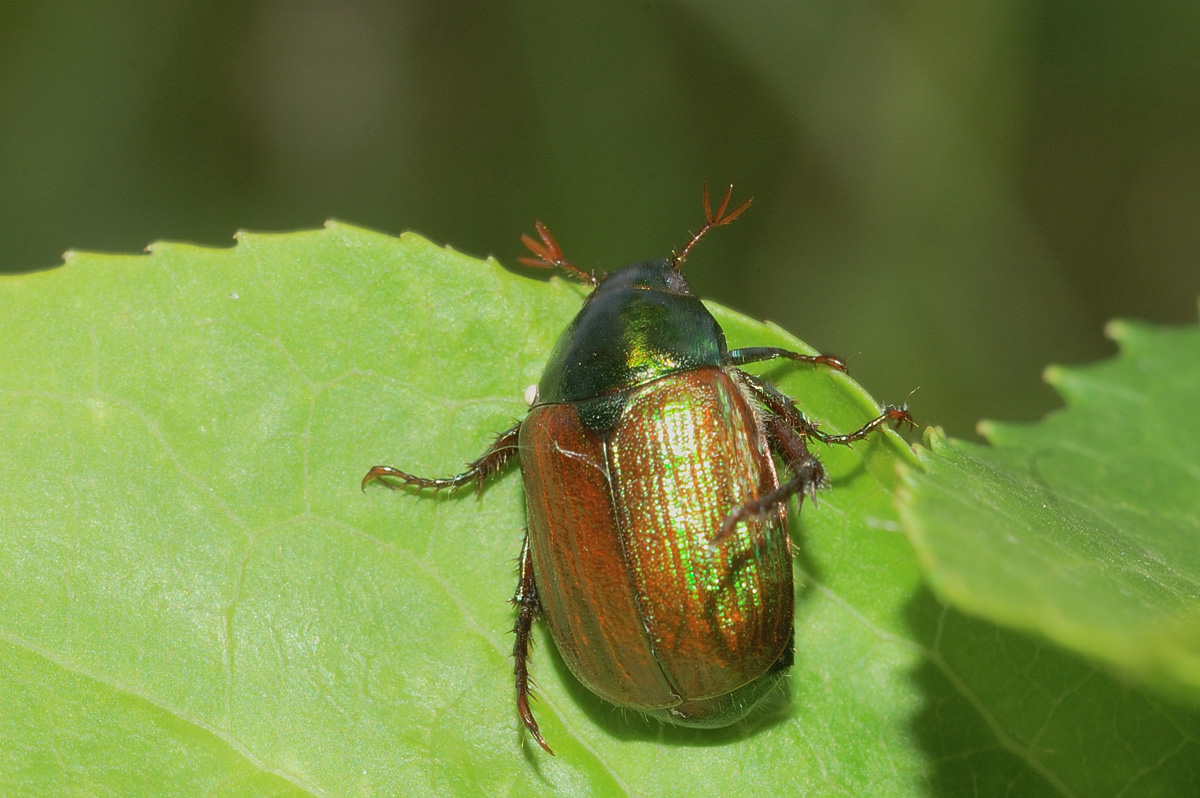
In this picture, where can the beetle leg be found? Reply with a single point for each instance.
(783, 406)
(491, 461)
(526, 601)
(756, 354)
(807, 475)
(786, 429)
(778, 404)
(891, 413)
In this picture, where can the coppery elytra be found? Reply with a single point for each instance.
(657, 549)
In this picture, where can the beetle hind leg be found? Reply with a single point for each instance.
(526, 601)
(807, 475)
(491, 461)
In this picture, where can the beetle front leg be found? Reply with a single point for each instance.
(526, 601)
(491, 461)
(757, 354)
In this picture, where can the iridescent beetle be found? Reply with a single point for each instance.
(657, 548)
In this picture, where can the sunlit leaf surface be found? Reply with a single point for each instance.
(200, 600)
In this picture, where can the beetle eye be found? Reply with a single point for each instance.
(676, 284)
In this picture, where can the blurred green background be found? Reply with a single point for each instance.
(950, 195)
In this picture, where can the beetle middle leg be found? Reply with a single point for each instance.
(526, 601)
(890, 414)
(491, 461)
(782, 406)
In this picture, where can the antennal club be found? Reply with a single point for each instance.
(550, 255)
(711, 220)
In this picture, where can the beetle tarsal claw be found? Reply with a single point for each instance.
(528, 721)
(899, 415)
(377, 474)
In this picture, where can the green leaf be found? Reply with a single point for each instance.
(1085, 527)
(200, 600)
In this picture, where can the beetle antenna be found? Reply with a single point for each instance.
(711, 220)
(550, 255)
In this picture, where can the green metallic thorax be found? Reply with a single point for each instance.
(641, 323)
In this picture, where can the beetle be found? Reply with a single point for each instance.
(656, 546)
